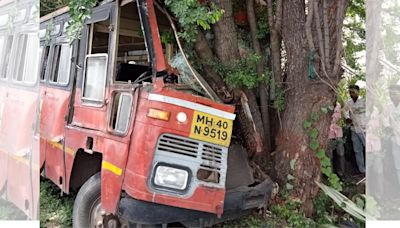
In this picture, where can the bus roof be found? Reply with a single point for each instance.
(66, 9)
(56, 13)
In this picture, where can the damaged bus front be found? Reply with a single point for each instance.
(117, 124)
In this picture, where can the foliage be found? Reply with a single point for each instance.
(344, 202)
(325, 161)
(79, 11)
(290, 209)
(167, 37)
(55, 210)
(262, 22)
(354, 35)
(256, 220)
(48, 6)
(242, 72)
(191, 14)
(279, 101)
(322, 204)
(390, 34)
(293, 215)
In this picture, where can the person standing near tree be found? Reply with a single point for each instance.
(354, 112)
(336, 140)
(392, 123)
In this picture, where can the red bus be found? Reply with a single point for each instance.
(19, 89)
(118, 126)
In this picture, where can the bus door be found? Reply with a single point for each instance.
(5, 50)
(91, 96)
(20, 115)
(56, 94)
(44, 52)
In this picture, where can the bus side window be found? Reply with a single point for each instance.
(26, 51)
(95, 77)
(96, 62)
(121, 112)
(43, 64)
(5, 49)
(31, 63)
(61, 64)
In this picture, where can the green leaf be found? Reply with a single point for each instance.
(321, 153)
(314, 144)
(314, 116)
(290, 177)
(324, 110)
(306, 124)
(289, 186)
(314, 133)
(292, 164)
(326, 162)
(327, 171)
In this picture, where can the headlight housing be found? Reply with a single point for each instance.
(171, 177)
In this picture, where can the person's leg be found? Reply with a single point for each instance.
(358, 146)
(341, 158)
(396, 158)
(330, 148)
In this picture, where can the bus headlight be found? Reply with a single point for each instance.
(170, 177)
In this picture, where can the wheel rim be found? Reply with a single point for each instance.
(96, 214)
(99, 218)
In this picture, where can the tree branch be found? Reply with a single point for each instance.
(278, 16)
(310, 15)
(339, 48)
(321, 42)
(270, 8)
(326, 35)
(319, 33)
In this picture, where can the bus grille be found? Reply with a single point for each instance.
(202, 155)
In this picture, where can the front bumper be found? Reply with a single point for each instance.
(238, 202)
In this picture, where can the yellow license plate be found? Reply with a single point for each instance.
(210, 128)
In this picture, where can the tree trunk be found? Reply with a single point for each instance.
(264, 95)
(305, 96)
(206, 56)
(227, 50)
(374, 40)
(226, 41)
(275, 24)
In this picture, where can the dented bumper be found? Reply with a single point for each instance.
(238, 201)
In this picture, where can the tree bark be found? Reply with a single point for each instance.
(226, 41)
(206, 56)
(263, 88)
(305, 96)
(275, 24)
(227, 50)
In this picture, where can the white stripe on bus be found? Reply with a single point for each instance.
(191, 105)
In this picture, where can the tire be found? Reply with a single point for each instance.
(86, 199)
(85, 203)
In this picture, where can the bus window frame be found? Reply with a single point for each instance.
(88, 101)
(14, 57)
(6, 78)
(42, 58)
(99, 14)
(52, 65)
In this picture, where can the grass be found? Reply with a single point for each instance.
(255, 220)
(55, 210)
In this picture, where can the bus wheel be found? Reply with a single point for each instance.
(87, 210)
